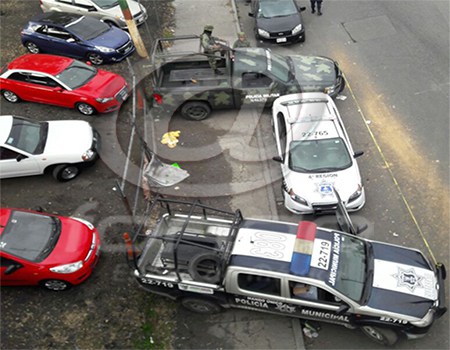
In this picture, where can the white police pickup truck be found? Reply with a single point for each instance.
(211, 259)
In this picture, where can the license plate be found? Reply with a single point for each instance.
(281, 40)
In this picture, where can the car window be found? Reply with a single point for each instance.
(88, 28)
(30, 236)
(18, 76)
(76, 75)
(105, 4)
(308, 292)
(5, 262)
(317, 156)
(259, 284)
(279, 8)
(282, 132)
(55, 32)
(253, 79)
(6, 153)
(65, 1)
(41, 80)
(83, 4)
(28, 136)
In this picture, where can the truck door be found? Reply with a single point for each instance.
(257, 89)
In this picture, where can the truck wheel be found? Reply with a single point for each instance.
(205, 267)
(65, 172)
(201, 306)
(383, 336)
(195, 110)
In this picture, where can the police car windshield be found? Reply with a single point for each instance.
(348, 266)
(319, 156)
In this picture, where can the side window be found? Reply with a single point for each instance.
(42, 80)
(255, 80)
(18, 76)
(6, 153)
(282, 130)
(304, 291)
(259, 284)
(68, 2)
(84, 4)
(57, 33)
(5, 262)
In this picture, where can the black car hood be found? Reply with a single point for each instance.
(403, 281)
(279, 24)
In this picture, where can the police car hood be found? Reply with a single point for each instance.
(403, 281)
(314, 73)
(317, 188)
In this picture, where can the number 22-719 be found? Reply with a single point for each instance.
(321, 254)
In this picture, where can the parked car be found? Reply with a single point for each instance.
(278, 21)
(107, 11)
(62, 81)
(76, 36)
(53, 251)
(60, 147)
(315, 154)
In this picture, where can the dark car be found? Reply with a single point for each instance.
(76, 36)
(279, 21)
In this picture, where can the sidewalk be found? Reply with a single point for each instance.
(237, 330)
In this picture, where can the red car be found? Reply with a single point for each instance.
(53, 251)
(64, 82)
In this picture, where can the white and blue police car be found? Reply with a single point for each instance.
(315, 155)
(211, 259)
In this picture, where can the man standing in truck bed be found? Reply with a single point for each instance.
(210, 47)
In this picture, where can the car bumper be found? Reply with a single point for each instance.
(321, 208)
(119, 98)
(285, 39)
(115, 57)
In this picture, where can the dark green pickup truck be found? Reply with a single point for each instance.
(183, 81)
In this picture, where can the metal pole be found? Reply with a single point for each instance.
(132, 29)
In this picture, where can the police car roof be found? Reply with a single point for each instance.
(276, 246)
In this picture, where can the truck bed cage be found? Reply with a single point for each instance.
(183, 243)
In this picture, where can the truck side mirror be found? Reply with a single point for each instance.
(342, 309)
(358, 154)
(12, 268)
(278, 159)
(20, 157)
(361, 228)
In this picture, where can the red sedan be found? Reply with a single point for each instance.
(53, 251)
(64, 82)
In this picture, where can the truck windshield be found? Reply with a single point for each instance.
(30, 236)
(347, 273)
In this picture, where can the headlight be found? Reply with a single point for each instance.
(104, 49)
(330, 90)
(88, 155)
(426, 321)
(297, 198)
(356, 194)
(263, 33)
(68, 268)
(297, 29)
(104, 99)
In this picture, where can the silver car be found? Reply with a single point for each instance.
(107, 11)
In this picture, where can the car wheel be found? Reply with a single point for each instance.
(85, 108)
(205, 267)
(32, 47)
(383, 336)
(56, 285)
(342, 85)
(195, 110)
(95, 58)
(201, 306)
(10, 96)
(66, 172)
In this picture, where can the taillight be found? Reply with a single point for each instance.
(158, 98)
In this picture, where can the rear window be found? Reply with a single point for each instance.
(30, 236)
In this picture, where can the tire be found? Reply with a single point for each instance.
(32, 47)
(387, 337)
(195, 110)
(205, 267)
(201, 306)
(10, 96)
(66, 172)
(95, 58)
(85, 108)
(342, 86)
(55, 285)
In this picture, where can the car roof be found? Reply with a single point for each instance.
(50, 64)
(6, 122)
(294, 247)
(59, 18)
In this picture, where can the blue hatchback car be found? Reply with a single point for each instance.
(76, 36)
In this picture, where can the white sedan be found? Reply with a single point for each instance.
(315, 155)
(60, 147)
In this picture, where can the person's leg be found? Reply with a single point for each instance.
(313, 3)
(319, 8)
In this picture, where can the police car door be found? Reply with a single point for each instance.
(257, 89)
